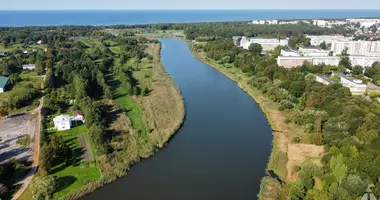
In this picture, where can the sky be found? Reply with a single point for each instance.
(185, 4)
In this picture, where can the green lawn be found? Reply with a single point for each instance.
(71, 178)
(126, 103)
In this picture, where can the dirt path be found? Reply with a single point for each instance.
(36, 150)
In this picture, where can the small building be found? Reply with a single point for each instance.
(3, 83)
(356, 86)
(25, 52)
(62, 122)
(78, 116)
(3, 53)
(29, 67)
(323, 79)
(39, 42)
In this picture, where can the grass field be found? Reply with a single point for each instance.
(71, 178)
(28, 78)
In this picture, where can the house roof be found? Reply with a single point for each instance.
(3, 81)
(326, 79)
(61, 118)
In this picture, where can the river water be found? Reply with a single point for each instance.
(221, 151)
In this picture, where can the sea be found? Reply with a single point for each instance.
(132, 17)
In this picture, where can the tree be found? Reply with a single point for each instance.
(40, 67)
(43, 187)
(345, 61)
(367, 136)
(46, 159)
(49, 80)
(255, 48)
(355, 185)
(338, 168)
(323, 45)
(357, 69)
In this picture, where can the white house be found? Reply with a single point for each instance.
(29, 67)
(39, 42)
(62, 122)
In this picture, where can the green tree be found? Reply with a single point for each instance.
(357, 69)
(323, 45)
(43, 187)
(40, 67)
(345, 61)
(255, 48)
(338, 168)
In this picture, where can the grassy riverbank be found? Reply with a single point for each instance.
(286, 156)
(138, 122)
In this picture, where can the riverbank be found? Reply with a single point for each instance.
(140, 123)
(286, 156)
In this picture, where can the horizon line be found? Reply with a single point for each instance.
(193, 9)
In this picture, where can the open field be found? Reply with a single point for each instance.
(11, 130)
(164, 106)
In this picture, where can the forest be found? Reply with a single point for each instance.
(347, 125)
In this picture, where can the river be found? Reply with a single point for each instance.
(221, 151)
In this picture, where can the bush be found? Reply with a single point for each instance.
(24, 140)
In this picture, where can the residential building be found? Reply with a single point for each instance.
(266, 43)
(270, 22)
(356, 86)
(62, 122)
(288, 53)
(293, 61)
(29, 67)
(323, 79)
(364, 61)
(364, 22)
(39, 42)
(3, 83)
(321, 23)
(353, 47)
(327, 60)
(78, 116)
(316, 40)
(312, 52)
(3, 53)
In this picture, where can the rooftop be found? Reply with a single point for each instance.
(3, 81)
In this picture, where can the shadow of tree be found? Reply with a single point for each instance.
(64, 182)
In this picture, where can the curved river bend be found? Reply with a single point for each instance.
(221, 151)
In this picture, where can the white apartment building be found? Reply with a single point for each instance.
(312, 52)
(327, 60)
(293, 61)
(320, 23)
(364, 61)
(364, 22)
(355, 47)
(270, 22)
(316, 40)
(267, 44)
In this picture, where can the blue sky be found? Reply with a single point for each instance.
(186, 4)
